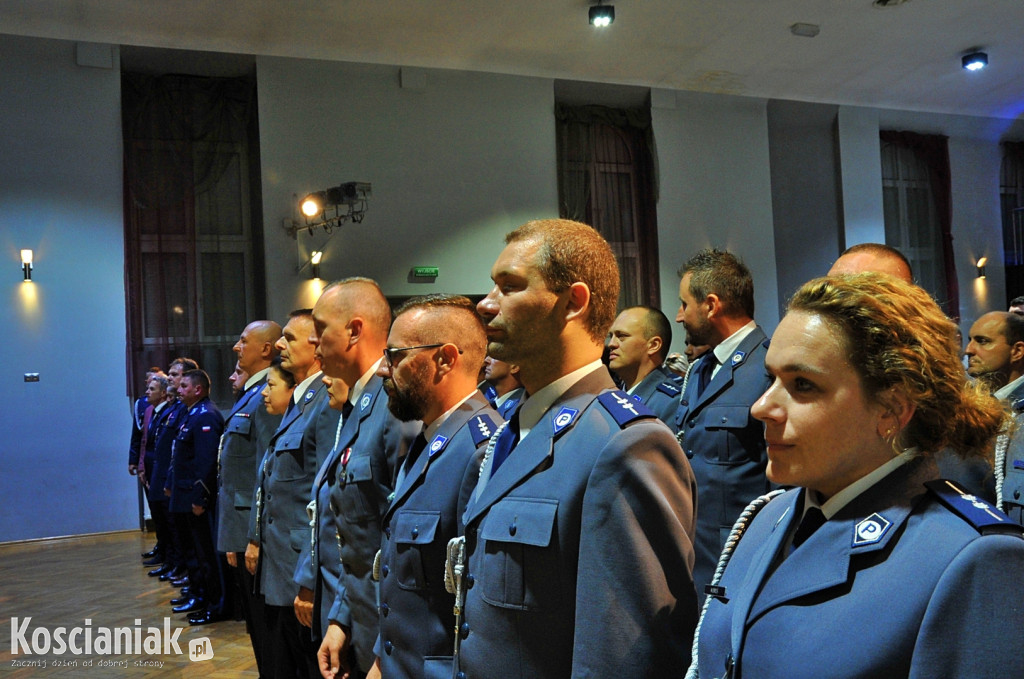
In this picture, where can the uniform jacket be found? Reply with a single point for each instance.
(280, 524)
(352, 493)
(725, 445)
(164, 428)
(1013, 469)
(138, 413)
(896, 584)
(416, 619)
(247, 432)
(659, 391)
(193, 475)
(579, 549)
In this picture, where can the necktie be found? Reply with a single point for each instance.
(410, 459)
(812, 521)
(505, 443)
(704, 370)
(346, 410)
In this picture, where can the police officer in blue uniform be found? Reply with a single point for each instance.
(578, 538)
(638, 345)
(193, 481)
(354, 488)
(870, 566)
(432, 382)
(279, 528)
(247, 432)
(724, 443)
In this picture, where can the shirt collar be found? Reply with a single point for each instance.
(357, 391)
(255, 378)
(1004, 392)
(301, 388)
(847, 495)
(728, 346)
(535, 405)
(431, 429)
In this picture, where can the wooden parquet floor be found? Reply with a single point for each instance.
(63, 582)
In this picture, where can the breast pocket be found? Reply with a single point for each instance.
(731, 420)
(520, 562)
(289, 461)
(238, 426)
(413, 533)
(355, 498)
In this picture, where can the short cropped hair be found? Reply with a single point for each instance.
(880, 250)
(714, 271)
(459, 323)
(573, 252)
(185, 363)
(199, 377)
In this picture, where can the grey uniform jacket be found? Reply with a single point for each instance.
(579, 547)
(416, 619)
(280, 523)
(247, 432)
(725, 445)
(660, 391)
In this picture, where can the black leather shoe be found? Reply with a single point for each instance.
(180, 582)
(193, 604)
(172, 574)
(151, 553)
(179, 600)
(186, 591)
(161, 572)
(153, 561)
(206, 618)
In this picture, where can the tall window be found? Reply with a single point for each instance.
(1011, 194)
(606, 179)
(917, 210)
(191, 221)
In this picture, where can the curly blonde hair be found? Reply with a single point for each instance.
(896, 336)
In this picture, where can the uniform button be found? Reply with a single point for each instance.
(691, 423)
(512, 529)
(460, 675)
(388, 646)
(464, 630)
(270, 520)
(469, 581)
(415, 532)
(385, 609)
(351, 477)
(1016, 495)
(387, 532)
(724, 420)
(385, 570)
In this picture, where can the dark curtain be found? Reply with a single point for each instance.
(1012, 188)
(933, 150)
(592, 142)
(173, 127)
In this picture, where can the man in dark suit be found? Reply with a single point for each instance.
(638, 344)
(578, 537)
(433, 383)
(724, 442)
(279, 528)
(354, 487)
(193, 483)
(247, 431)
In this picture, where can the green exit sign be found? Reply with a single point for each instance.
(425, 271)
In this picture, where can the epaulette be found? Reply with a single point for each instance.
(622, 407)
(482, 427)
(979, 513)
(669, 387)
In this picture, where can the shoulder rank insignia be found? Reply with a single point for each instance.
(738, 357)
(437, 445)
(669, 387)
(974, 510)
(622, 407)
(564, 418)
(482, 428)
(871, 530)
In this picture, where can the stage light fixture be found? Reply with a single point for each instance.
(602, 15)
(332, 207)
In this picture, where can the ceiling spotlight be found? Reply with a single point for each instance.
(602, 15)
(975, 61)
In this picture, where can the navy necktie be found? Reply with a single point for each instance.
(505, 443)
(812, 521)
(704, 370)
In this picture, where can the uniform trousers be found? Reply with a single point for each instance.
(288, 651)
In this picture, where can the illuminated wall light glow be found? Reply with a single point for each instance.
(26, 264)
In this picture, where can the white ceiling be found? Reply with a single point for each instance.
(903, 57)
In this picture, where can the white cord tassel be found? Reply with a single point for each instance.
(738, 529)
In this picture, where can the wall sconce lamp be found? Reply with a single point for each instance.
(332, 207)
(26, 264)
(602, 16)
(981, 266)
(314, 261)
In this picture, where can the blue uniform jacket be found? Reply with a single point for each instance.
(280, 524)
(579, 547)
(164, 428)
(896, 584)
(660, 391)
(1013, 469)
(416, 619)
(725, 445)
(247, 432)
(193, 475)
(138, 414)
(352, 493)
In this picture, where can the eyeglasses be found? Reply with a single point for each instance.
(390, 353)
